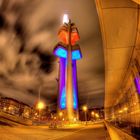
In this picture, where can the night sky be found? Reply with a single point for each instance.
(28, 34)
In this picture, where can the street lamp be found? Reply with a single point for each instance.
(125, 109)
(85, 110)
(60, 114)
(120, 111)
(97, 115)
(40, 106)
(92, 113)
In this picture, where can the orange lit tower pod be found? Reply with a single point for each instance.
(68, 35)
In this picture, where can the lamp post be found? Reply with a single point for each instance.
(85, 111)
(39, 91)
(40, 106)
(60, 115)
(39, 94)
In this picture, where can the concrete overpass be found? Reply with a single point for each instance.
(119, 21)
(120, 28)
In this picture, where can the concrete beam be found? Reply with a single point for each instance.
(137, 1)
(119, 23)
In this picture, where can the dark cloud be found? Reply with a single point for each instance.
(47, 60)
(2, 21)
(20, 32)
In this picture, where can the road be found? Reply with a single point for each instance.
(94, 132)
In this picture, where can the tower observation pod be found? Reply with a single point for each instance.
(68, 52)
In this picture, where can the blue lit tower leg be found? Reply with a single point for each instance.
(75, 89)
(62, 84)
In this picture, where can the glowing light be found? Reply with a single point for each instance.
(74, 36)
(120, 111)
(62, 86)
(76, 55)
(26, 113)
(63, 34)
(63, 99)
(60, 114)
(61, 52)
(35, 114)
(97, 115)
(137, 83)
(75, 105)
(74, 119)
(4, 108)
(40, 105)
(125, 109)
(65, 19)
(84, 108)
(75, 90)
(92, 113)
(113, 117)
(10, 108)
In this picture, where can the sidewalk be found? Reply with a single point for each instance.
(117, 134)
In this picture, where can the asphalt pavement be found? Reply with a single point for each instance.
(94, 132)
(91, 132)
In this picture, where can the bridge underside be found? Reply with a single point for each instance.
(119, 21)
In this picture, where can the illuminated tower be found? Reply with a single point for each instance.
(68, 52)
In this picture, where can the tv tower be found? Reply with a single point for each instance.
(68, 52)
